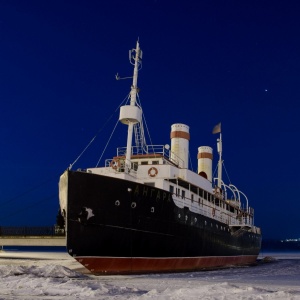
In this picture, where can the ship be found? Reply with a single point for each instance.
(145, 211)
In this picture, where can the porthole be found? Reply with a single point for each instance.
(152, 209)
(133, 205)
(117, 203)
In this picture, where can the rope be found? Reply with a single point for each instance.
(107, 143)
(215, 171)
(71, 165)
(145, 122)
(100, 129)
(226, 173)
(52, 178)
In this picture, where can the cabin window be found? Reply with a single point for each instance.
(144, 163)
(177, 192)
(201, 193)
(194, 189)
(217, 202)
(182, 194)
(155, 162)
(192, 197)
(205, 195)
(171, 189)
(134, 166)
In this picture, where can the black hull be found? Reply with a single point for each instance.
(111, 219)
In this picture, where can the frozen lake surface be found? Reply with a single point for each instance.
(56, 275)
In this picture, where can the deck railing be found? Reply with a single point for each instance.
(153, 149)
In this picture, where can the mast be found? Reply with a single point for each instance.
(217, 129)
(220, 162)
(132, 114)
(137, 61)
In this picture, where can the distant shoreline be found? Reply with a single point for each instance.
(280, 245)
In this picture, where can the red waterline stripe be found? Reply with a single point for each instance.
(125, 265)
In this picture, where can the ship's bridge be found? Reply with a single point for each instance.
(159, 154)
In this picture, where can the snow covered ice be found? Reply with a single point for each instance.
(56, 275)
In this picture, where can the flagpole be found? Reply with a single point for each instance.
(217, 129)
(219, 147)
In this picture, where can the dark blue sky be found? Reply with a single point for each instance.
(204, 61)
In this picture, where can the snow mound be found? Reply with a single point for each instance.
(49, 271)
(224, 291)
(56, 282)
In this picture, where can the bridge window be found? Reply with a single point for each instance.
(171, 189)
